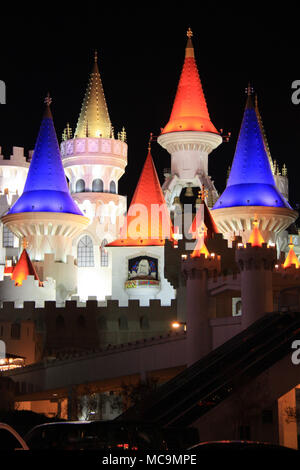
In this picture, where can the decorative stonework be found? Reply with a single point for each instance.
(189, 140)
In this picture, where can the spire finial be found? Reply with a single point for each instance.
(48, 99)
(96, 56)
(150, 141)
(189, 33)
(249, 90)
(255, 221)
(203, 193)
(24, 243)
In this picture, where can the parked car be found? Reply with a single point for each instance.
(93, 435)
(10, 439)
(217, 446)
(97, 435)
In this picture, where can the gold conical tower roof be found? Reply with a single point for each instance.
(94, 119)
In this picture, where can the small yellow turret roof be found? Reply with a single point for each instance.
(291, 257)
(256, 238)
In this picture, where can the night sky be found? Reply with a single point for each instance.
(140, 61)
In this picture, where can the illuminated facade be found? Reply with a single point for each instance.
(94, 161)
(94, 276)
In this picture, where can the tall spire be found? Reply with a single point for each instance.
(189, 111)
(152, 227)
(251, 182)
(46, 188)
(94, 109)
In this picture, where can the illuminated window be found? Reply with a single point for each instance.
(97, 186)
(85, 252)
(8, 238)
(103, 254)
(112, 187)
(80, 186)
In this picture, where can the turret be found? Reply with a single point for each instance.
(94, 161)
(138, 255)
(256, 261)
(45, 214)
(189, 136)
(251, 189)
(197, 268)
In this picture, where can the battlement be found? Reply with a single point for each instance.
(74, 304)
(17, 158)
(30, 289)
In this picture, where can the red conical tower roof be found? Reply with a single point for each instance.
(256, 238)
(24, 268)
(291, 257)
(189, 111)
(148, 219)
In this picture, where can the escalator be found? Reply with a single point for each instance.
(209, 381)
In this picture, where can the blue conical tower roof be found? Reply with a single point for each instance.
(251, 181)
(46, 188)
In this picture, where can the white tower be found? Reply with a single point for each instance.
(94, 161)
(189, 136)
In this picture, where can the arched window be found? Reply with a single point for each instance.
(103, 254)
(8, 238)
(123, 323)
(97, 186)
(112, 187)
(80, 186)
(85, 252)
(144, 323)
(60, 323)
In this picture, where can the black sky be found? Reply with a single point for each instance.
(141, 54)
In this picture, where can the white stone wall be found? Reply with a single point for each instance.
(28, 291)
(120, 257)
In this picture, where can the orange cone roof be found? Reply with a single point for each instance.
(24, 268)
(256, 238)
(208, 221)
(200, 249)
(189, 111)
(291, 257)
(145, 225)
